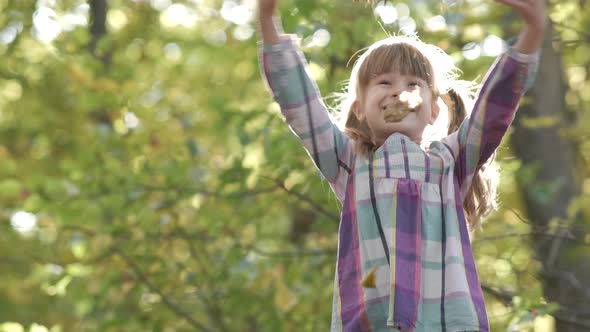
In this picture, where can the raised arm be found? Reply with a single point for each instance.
(533, 13)
(504, 85)
(285, 70)
(269, 23)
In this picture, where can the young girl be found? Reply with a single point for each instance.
(404, 255)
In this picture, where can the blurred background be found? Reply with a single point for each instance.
(148, 182)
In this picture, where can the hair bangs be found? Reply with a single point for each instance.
(398, 57)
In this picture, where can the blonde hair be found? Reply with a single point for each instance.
(410, 56)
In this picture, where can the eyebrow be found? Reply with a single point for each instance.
(377, 76)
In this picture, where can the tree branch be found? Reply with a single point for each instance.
(502, 295)
(291, 254)
(173, 307)
(533, 233)
(190, 238)
(304, 198)
(184, 190)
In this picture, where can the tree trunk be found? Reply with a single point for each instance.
(556, 181)
(98, 18)
(98, 30)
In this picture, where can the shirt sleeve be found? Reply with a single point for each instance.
(511, 75)
(284, 69)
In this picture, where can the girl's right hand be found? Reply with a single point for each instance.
(269, 31)
(534, 14)
(267, 8)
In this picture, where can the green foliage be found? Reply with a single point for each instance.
(167, 194)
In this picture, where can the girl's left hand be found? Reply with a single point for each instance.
(534, 15)
(533, 12)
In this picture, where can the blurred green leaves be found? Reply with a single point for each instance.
(168, 193)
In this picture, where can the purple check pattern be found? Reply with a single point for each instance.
(402, 206)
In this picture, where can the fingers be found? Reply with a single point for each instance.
(532, 11)
(523, 4)
(516, 4)
(534, 15)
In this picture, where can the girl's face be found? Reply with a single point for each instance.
(385, 89)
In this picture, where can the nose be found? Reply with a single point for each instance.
(396, 91)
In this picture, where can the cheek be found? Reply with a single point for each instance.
(372, 111)
(425, 114)
(373, 121)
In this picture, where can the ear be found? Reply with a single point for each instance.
(356, 108)
(434, 113)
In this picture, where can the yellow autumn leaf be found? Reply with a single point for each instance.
(221, 244)
(294, 178)
(79, 249)
(106, 85)
(264, 280)
(370, 280)
(79, 74)
(248, 235)
(284, 299)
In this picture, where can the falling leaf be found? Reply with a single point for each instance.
(248, 235)
(285, 299)
(370, 280)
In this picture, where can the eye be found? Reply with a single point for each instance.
(384, 82)
(413, 85)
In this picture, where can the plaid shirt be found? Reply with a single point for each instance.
(402, 206)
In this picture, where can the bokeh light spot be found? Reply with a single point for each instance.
(24, 222)
(576, 77)
(386, 12)
(178, 15)
(243, 32)
(436, 23)
(9, 33)
(172, 52)
(116, 19)
(160, 4)
(131, 120)
(76, 17)
(320, 38)
(236, 13)
(493, 46)
(216, 37)
(471, 51)
(45, 25)
(11, 90)
(407, 25)
(402, 10)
